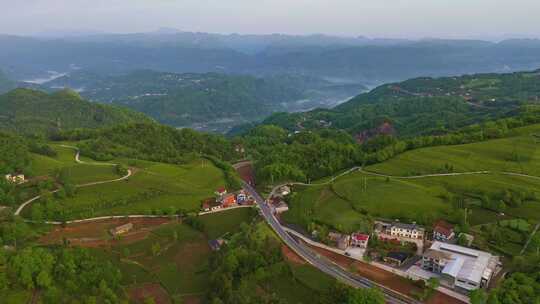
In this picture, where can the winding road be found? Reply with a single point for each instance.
(320, 262)
(323, 263)
(77, 159)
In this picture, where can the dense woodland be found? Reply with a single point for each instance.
(149, 141)
(61, 275)
(425, 106)
(28, 111)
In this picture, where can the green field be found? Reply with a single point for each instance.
(79, 173)
(345, 202)
(518, 153)
(218, 224)
(156, 188)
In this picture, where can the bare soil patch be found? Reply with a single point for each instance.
(96, 234)
(247, 173)
(138, 294)
(291, 256)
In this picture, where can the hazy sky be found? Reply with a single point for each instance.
(374, 18)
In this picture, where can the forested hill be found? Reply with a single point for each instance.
(196, 100)
(424, 105)
(150, 141)
(34, 112)
(182, 99)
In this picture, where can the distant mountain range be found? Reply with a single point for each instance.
(28, 111)
(372, 61)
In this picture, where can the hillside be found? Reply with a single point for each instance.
(6, 84)
(208, 101)
(419, 188)
(425, 105)
(32, 112)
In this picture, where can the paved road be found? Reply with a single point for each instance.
(320, 262)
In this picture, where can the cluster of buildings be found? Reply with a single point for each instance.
(15, 178)
(223, 199)
(345, 241)
(277, 202)
(457, 267)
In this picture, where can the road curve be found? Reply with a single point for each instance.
(320, 262)
(77, 155)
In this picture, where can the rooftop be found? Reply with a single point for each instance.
(407, 226)
(465, 263)
(400, 256)
(443, 227)
(436, 254)
(360, 237)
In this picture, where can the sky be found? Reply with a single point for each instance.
(478, 19)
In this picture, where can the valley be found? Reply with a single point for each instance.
(147, 212)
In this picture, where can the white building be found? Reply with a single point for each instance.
(460, 268)
(410, 231)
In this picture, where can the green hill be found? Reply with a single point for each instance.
(30, 112)
(425, 105)
(208, 101)
(510, 191)
(184, 99)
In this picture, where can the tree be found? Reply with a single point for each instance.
(156, 247)
(433, 283)
(44, 279)
(478, 296)
(462, 240)
(365, 296)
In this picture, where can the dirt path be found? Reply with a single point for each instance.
(77, 159)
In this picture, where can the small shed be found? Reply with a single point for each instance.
(121, 229)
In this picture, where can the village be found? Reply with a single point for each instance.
(408, 250)
(225, 200)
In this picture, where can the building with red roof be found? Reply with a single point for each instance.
(443, 231)
(228, 200)
(359, 240)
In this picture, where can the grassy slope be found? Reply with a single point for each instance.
(415, 199)
(496, 155)
(180, 186)
(80, 173)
